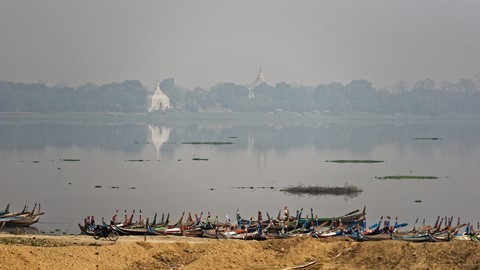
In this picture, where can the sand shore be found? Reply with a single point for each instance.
(161, 252)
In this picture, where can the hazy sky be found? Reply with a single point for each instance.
(201, 43)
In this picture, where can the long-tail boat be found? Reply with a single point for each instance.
(175, 229)
(6, 211)
(22, 219)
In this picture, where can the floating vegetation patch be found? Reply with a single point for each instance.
(209, 143)
(200, 159)
(401, 177)
(426, 138)
(355, 161)
(255, 187)
(349, 191)
(71, 159)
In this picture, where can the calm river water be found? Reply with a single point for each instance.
(59, 163)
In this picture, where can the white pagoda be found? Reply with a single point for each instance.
(159, 101)
(260, 78)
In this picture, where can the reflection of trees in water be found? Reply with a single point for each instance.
(358, 138)
(111, 136)
(355, 137)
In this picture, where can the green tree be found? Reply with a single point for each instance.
(230, 96)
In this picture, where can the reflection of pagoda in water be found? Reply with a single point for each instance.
(159, 136)
(261, 156)
(159, 101)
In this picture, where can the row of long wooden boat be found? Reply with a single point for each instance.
(425, 233)
(352, 226)
(439, 233)
(22, 219)
(280, 227)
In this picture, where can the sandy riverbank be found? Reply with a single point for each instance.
(131, 252)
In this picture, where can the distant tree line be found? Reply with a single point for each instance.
(127, 97)
(423, 98)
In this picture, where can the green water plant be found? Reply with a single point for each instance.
(208, 143)
(399, 177)
(355, 161)
(346, 190)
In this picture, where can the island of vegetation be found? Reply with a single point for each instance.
(398, 177)
(355, 161)
(211, 143)
(346, 190)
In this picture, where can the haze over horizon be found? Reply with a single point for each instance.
(201, 43)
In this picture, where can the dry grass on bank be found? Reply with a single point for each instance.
(83, 252)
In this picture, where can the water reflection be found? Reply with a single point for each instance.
(356, 138)
(159, 136)
(114, 136)
(266, 155)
